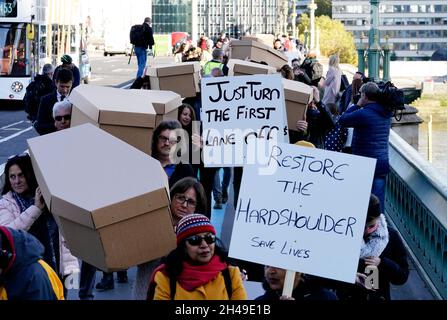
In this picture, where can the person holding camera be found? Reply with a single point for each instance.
(371, 121)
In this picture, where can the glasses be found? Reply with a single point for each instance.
(166, 139)
(66, 117)
(182, 199)
(197, 240)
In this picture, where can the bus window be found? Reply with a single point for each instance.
(13, 50)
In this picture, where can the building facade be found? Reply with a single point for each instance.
(211, 17)
(415, 28)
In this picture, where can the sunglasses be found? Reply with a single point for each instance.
(66, 117)
(197, 240)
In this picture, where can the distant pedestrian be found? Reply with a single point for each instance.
(141, 47)
(44, 123)
(39, 87)
(67, 63)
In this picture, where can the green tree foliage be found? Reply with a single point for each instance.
(324, 8)
(333, 38)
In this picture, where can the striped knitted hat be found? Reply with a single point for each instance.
(193, 224)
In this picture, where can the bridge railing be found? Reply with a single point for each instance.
(416, 201)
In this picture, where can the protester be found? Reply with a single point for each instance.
(62, 115)
(22, 208)
(23, 273)
(303, 287)
(372, 123)
(347, 96)
(355, 96)
(277, 45)
(317, 123)
(187, 116)
(287, 72)
(216, 62)
(67, 63)
(299, 74)
(164, 143)
(335, 139)
(333, 81)
(383, 249)
(44, 123)
(141, 48)
(187, 197)
(198, 268)
(313, 68)
(39, 87)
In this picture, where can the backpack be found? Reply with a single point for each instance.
(317, 70)
(32, 97)
(137, 35)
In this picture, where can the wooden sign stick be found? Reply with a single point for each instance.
(288, 283)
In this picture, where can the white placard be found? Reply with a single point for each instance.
(235, 112)
(308, 216)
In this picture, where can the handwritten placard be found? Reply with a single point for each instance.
(308, 216)
(241, 116)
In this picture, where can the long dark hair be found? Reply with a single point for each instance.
(24, 163)
(183, 185)
(184, 106)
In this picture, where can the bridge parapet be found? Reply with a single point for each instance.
(416, 202)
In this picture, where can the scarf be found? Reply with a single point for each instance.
(376, 242)
(194, 276)
(44, 229)
(22, 202)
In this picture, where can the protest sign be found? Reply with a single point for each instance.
(308, 216)
(240, 117)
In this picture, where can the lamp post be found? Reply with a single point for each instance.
(294, 19)
(312, 7)
(374, 48)
(386, 59)
(361, 54)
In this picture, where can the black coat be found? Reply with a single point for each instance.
(181, 171)
(148, 36)
(307, 290)
(45, 123)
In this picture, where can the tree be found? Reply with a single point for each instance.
(324, 8)
(333, 38)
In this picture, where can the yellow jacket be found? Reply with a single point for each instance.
(213, 290)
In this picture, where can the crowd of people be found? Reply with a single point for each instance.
(352, 120)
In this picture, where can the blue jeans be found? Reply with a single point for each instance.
(141, 54)
(378, 189)
(217, 188)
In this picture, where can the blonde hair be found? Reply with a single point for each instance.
(334, 61)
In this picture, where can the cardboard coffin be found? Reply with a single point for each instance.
(238, 67)
(126, 114)
(110, 200)
(182, 78)
(266, 39)
(298, 95)
(165, 103)
(258, 52)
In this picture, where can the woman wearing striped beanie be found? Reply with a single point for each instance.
(198, 268)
